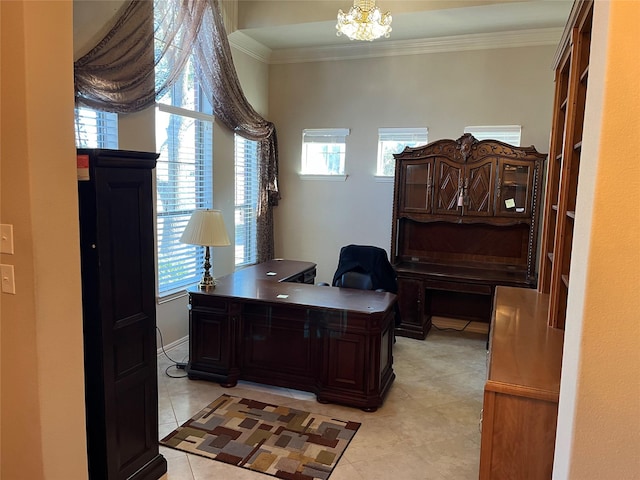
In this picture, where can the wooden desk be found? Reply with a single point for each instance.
(522, 390)
(258, 325)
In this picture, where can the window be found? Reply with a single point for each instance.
(394, 140)
(504, 133)
(184, 178)
(96, 129)
(323, 151)
(246, 200)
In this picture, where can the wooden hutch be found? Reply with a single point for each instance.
(464, 221)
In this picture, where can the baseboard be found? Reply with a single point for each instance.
(474, 327)
(175, 344)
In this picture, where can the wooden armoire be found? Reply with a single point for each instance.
(118, 302)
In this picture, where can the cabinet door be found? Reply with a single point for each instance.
(448, 187)
(515, 182)
(417, 179)
(279, 345)
(414, 322)
(210, 335)
(479, 189)
(345, 364)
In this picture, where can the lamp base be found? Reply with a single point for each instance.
(207, 283)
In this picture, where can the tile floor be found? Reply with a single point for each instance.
(427, 429)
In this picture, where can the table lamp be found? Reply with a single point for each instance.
(206, 228)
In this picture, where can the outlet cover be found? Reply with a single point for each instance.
(6, 238)
(8, 280)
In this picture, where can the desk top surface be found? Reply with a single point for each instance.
(266, 282)
(525, 352)
(277, 270)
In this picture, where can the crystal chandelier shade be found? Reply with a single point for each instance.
(364, 21)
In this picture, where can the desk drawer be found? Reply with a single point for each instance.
(308, 276)
(209, 302)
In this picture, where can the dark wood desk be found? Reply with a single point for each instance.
(266, 324)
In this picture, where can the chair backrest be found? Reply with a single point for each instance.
(369, 260)
(354, 279)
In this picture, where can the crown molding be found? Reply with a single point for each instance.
(479, 41)
(248, 45)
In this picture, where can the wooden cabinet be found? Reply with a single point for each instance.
(210, 350)
(119, 322)
(411, 293)
(572, 72)
(521, 394)
(464, 221)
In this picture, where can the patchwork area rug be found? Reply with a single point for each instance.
(275, 440)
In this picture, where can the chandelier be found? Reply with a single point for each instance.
(364, 21)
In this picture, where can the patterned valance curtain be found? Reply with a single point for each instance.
(119, 75)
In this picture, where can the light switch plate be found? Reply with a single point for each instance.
(8, 280)
(6, 238)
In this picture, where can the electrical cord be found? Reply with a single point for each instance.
(177, 365)
(450, 329)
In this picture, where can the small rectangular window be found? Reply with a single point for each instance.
(96, 129)
(246, 201)
(394, 140)
(504, 133)
(324, 151)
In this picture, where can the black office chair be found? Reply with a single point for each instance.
(366, 267)
(355, 279)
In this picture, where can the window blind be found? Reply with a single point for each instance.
(96, 129)
(324, 151)
(184, 183)
(246, 200)
(403, 135)
(504, 133)
(394, 140)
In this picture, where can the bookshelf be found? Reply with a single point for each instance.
(571, 76)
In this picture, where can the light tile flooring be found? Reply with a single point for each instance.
(427, 429)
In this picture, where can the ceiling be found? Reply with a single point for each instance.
(287, 25)
(299, 30)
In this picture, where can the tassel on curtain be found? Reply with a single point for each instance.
(118, 75)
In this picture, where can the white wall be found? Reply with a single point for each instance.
(444, 92)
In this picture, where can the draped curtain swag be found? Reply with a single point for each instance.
(119, 75)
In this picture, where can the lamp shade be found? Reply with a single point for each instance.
(206, 228)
